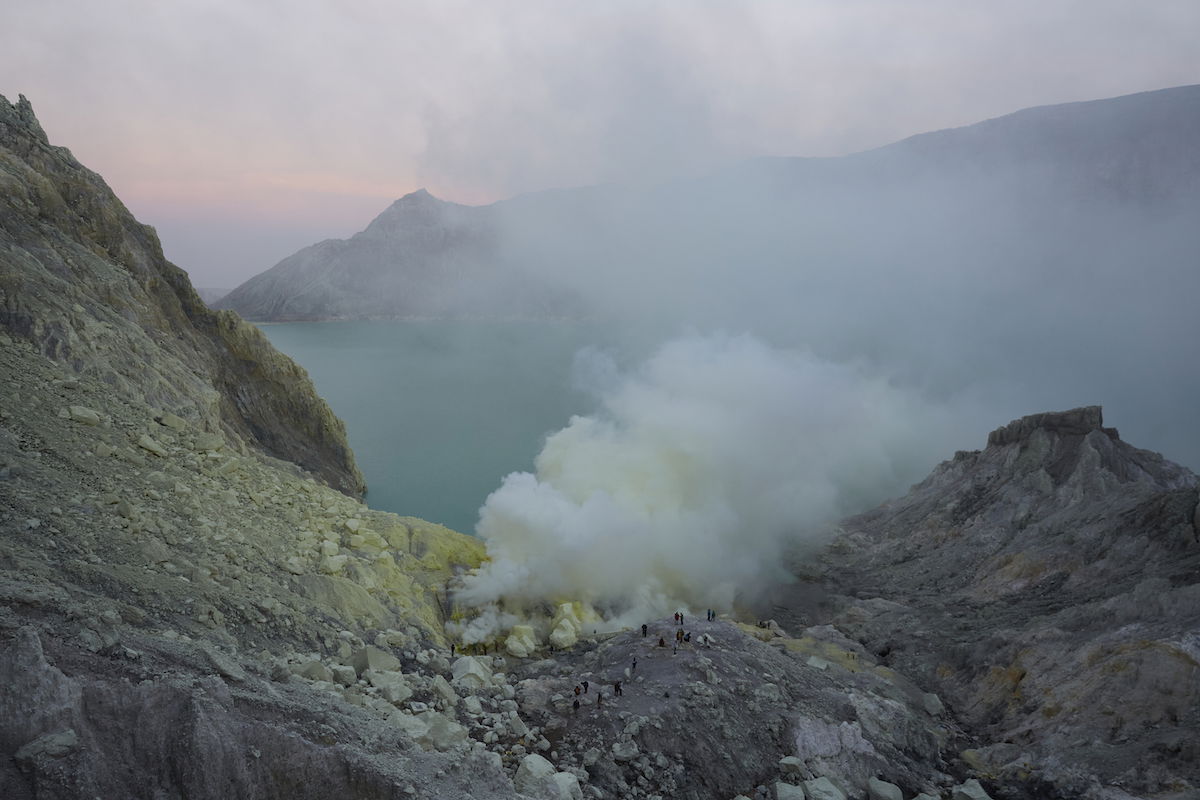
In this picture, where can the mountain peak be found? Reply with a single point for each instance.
(420, 195)
(1076, 422)
(22, 114)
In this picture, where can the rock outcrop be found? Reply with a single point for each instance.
(88, 285)
(1048, 589)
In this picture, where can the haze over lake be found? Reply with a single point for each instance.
(438, 412)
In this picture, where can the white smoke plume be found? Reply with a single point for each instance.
(697, 473)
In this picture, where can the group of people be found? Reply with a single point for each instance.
(583, 686)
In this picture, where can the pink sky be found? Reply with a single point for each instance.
(244, 131)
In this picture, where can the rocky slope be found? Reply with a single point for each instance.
(1048, 587)
(87, 284)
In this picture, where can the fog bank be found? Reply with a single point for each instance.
(702, 466)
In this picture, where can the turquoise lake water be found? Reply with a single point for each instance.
(439, 412)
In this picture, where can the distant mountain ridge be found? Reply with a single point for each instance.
(424, 257)
(421, 257)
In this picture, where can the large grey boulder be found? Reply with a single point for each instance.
(970, 790)
(371, 657)
(471, 672)
(823, 789)
(537, 778)
(882, 790)
(788, 791)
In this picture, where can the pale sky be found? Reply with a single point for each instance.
(246, 129)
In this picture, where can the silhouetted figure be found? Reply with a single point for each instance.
(662, 642)
(578, 689)
(585, 685)
(576, 705)
(617, 689)
(633, 668)
(645, 628)
(599, 698)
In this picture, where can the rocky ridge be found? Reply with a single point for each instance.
(89, 286)
(421, 258)
(1048, 587)
(1046, 177)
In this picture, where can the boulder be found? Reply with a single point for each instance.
(567, 786)
(172, 421)
(371, 657)
(624, 751)
(444, 690)
(564, 635)
(933, 704)
(566, 625)
(413, 725)
(441, 733)
(148, 443)
(791, 765)
(970, 790)
(823, 789)
(344, 675)
(521, 641)
(471, 672)
(84, 415)
(51, 745)
(313, 670)
(208, 442)
(392, 686)
(882, 790)
(788, 791)
(532, 775)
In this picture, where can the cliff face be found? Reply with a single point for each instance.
(1048, 586)
(89, 286)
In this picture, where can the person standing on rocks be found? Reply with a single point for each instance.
(585, 687)
(662, 642)
(633, 668)
(578, 689)
(617, 689)
(645, 628)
